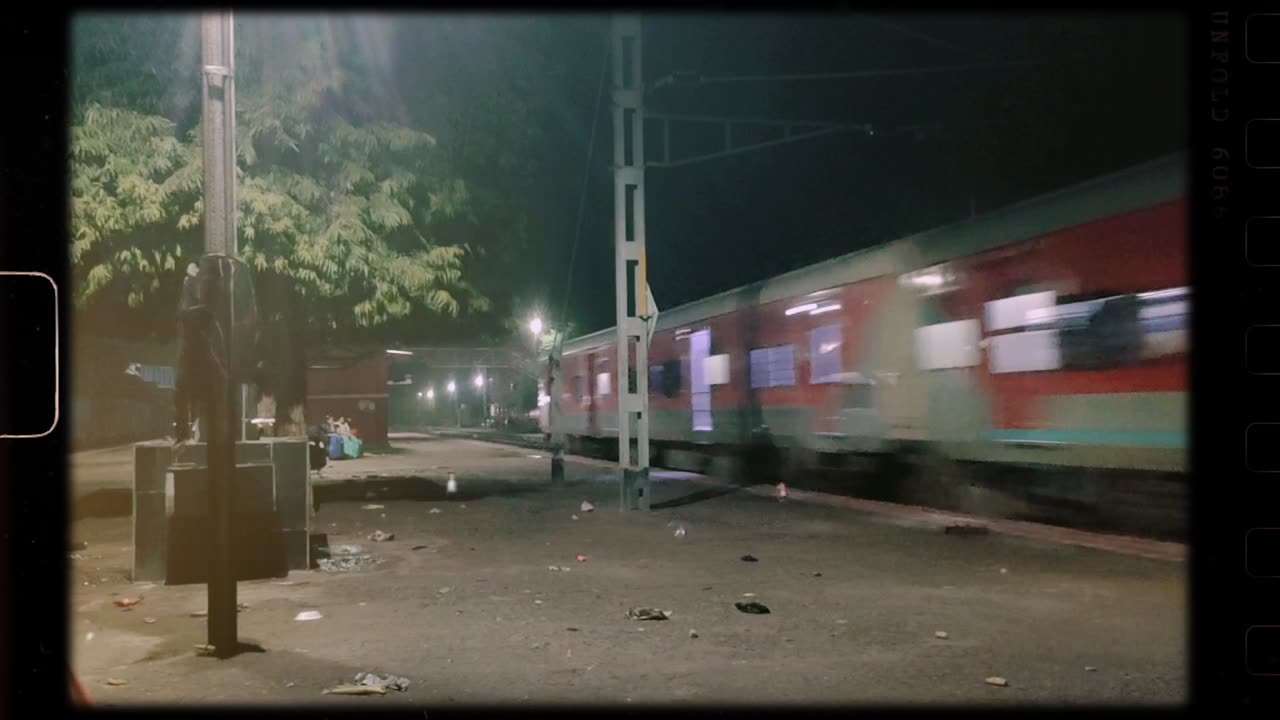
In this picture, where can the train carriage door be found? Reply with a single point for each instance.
(699, 387)
(858, 414)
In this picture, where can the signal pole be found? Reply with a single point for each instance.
(629, 262)
(218, 60)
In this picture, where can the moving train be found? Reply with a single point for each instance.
(1029, 363)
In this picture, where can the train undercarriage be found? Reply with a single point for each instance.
(1141, 503)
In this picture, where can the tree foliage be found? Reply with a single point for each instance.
(342, 206)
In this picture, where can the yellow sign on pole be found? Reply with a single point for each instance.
(642, 286)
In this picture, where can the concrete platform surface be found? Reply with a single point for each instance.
(464, 603)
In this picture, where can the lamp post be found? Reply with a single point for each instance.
(453, 392)
(483, 386)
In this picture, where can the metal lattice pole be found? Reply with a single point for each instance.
(629, 259)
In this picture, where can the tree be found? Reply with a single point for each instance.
(344, 213)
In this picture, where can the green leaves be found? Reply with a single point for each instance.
(339, 205)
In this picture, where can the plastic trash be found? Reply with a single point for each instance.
(587, 507)
(386, 682)
(648, 614)
(750, 558)
(127, 602)
(379, 536)
(998, 681)
(356, 690)
(307, 615)
(752, 608)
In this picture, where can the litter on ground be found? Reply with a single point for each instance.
(386, 682)
(356, 690)
(648, 614)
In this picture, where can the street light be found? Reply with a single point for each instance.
(431, 394)
(479, 381)
(452, 387)
(535, 326)
(419, 394)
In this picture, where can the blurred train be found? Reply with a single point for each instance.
(1027, 363)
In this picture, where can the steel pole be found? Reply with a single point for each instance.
(629, 262)
(217, 45)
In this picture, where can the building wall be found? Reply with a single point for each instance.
(109, 407)
(351, 387)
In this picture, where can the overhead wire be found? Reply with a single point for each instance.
(562, 321)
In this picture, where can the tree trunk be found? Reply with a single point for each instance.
(283, 380)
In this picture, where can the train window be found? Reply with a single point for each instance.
(655, 379)
(602, 384)
(671, 378)
(824, 354)
(944, 346)
(1024, 352)
(716, 369)
(1109, 336)
(580, 387)
(1016, 311)
(1164, 316)
(1092, 332)
(773, 367)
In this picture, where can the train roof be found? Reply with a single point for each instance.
(1141, 186)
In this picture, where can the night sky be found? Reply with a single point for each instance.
(1110, 94)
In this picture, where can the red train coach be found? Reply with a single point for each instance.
(1031, 362)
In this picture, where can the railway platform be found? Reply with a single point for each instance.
(865, 605)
